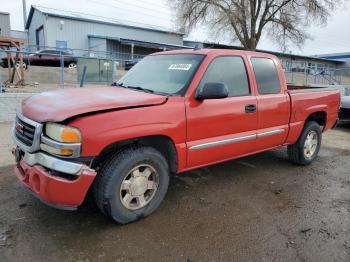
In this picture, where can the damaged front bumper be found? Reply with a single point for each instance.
(56, 182)
(59, 182)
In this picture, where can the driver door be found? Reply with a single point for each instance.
(222, 129)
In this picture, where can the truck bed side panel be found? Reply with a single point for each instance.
(306, 102)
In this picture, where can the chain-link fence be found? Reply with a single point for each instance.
(305, 73)
(48, 69)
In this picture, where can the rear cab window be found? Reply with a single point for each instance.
(229, 70)
(266, 75)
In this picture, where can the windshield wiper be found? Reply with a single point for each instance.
(141, 89)
(133, 87)
(118, 84)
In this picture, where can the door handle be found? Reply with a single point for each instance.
(250, 108)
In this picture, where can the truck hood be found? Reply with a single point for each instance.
(56, 106)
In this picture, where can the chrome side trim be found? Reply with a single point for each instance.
(36, 140)
(52, 163)
(237, 139)
(73, 146)
(223, 142)
(269, 133)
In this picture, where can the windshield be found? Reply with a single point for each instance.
(163, 74)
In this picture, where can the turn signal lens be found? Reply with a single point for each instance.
(66, 152)
(61, 133)
(56, 151)
(70, 135)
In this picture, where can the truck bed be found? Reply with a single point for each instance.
(306, 100)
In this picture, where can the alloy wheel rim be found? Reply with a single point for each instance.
(18, 65)
(139, 187)
(310, 144)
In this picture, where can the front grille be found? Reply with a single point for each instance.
(24, 132)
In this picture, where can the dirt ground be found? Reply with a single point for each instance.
(259, 208)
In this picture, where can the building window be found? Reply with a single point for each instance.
(61, 45)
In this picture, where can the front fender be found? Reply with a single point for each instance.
(103, 129)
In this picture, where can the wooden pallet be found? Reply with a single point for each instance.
(9, 43)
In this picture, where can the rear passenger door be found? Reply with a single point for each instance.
(273, 104)
(220, 129)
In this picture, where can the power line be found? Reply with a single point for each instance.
(163, 7)
(143, 1)
(121, 21)
(132, 10)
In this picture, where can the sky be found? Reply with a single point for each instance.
(332, 38)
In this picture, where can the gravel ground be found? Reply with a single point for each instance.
(258, 208)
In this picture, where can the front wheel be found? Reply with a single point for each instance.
(132, 184)
(305, 150)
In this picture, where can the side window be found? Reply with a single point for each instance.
(266, 75)
(229, 70)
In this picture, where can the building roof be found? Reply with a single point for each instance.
(139, 42)
(314, 58)
(96, 19)
(336, 56)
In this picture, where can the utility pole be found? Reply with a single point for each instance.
(24, 12)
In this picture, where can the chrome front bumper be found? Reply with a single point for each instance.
(53, 163)
(32, 156)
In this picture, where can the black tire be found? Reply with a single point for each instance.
(24, 65)
(72, 65)
(296, 153)
(108, 183)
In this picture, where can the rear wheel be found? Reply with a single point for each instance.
(72, 65)
(305, 150)
(19, 64)
(132, 184)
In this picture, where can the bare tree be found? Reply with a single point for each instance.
(246, 20)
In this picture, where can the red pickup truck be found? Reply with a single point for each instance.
(174, 111)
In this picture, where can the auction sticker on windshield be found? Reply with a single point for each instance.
(184, 67)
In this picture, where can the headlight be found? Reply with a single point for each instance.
(61, 140)
(61, 133)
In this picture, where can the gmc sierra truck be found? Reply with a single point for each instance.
(172, 112)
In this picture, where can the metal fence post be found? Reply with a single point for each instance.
(62, 71)
(114, 64)
(305, 76)
(82, 80)
(0, 85)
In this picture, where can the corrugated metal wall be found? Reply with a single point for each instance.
(5, 27)
(76, 33)
(38, 20)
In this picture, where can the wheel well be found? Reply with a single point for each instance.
(318, 117)
(161, 143)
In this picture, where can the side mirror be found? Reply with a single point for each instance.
(212, 91)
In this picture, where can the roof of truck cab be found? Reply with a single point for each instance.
(214, 52)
